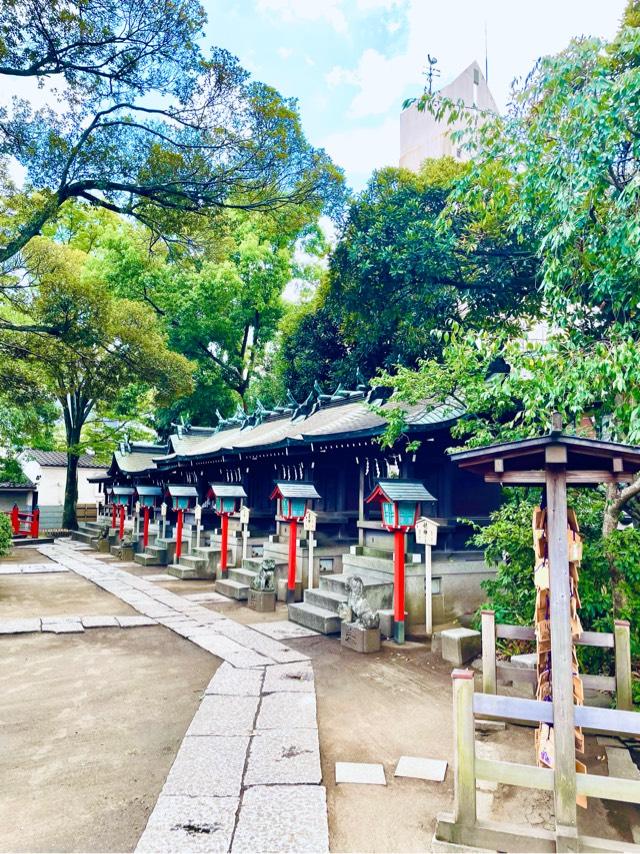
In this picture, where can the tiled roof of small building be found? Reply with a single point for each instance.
(58, 459)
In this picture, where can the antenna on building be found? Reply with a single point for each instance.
(486, 54)
(431, 72)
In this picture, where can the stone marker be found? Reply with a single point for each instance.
(360, 772)
(421, 769)
(460, 645)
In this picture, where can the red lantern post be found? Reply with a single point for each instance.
(121, 531)
(183, 497)
(179, 535)
(400, 506)
(227, 499)
(293, 497)
(113, 514)
(145, 528)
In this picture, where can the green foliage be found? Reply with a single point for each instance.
(508, 546)
(623, 548)
(393, 263)
(11, 471)
(5, 535)
(145, 124)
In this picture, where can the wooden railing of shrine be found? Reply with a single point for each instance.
(24, 523)
(463, 827)
(494, 672)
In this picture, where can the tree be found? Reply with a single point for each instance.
(393, 263)
(220, 308)
(144, 124)
(108, 344)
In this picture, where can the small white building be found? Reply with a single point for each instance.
(48, 471)
(422, 136)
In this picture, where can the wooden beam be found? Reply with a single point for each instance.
(555, 454)
(609, 788)
(624, 700)
(500, 706)
(577, 477)
(514, 774)
(561, 676)
(606, 720)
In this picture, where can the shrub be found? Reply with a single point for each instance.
(5, 535)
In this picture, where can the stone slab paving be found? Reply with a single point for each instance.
(18, 627)
(29, 568)
(367, 773)
(282, 818)
(421, 768)
(212, 596)
(283, 630)
(68, 625)
(247, 774)
(184, 824)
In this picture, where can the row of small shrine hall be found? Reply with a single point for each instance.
(331, 443)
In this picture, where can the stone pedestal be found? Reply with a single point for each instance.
(103, 546)
(282, 590)
(359, 639)
(262, 600)
(386, 622)
(460, 645)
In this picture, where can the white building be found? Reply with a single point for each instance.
(422, 136)
(48, 471)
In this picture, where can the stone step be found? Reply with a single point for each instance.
(232, 589)
(330, 600)
(148, 559)
(193, 561)
(244, 576)
(186, 573)
(83, 536)
(320, 619)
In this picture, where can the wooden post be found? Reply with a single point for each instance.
(624, 697)
(15, 519)
(311, 572)
(35, 528)
(398, 586)
(464, 762)
(121, 531)
(113, 515)
(428, 591)
(561, 664)
(489, 680)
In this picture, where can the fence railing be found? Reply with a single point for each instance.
(495, 672)
(24, 523)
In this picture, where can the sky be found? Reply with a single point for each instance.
(351, 63)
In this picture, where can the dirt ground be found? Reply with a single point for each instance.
(90, 726)
(56, 593)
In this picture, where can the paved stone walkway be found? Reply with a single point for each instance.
(66, 624)
(247, 775)
(27, 568)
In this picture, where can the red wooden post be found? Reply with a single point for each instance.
(179, 536)
(122, 521)
(224, 521)
(291, 580)
(145, 532)
(113, 515)
(35, 523)
(398, 586)
(15, 519)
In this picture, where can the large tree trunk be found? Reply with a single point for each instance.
(69, 517)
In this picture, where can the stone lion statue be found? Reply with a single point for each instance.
(357, 609)
(263, 580)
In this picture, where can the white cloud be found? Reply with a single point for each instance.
(339, 76)
(361, 150)
(291, 11)
(285, 52)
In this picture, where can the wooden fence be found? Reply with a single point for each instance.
(494, 672)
